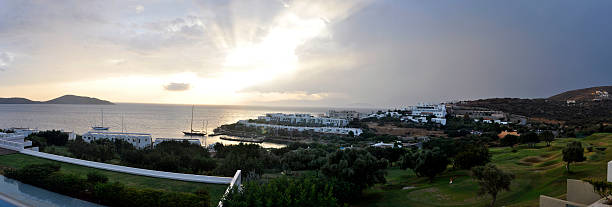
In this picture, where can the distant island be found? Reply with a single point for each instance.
(67, 99)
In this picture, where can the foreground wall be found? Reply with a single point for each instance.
(579, 191)
(546, 201)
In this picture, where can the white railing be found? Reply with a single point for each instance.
(236, 181)
(17, 146)
(131, 170)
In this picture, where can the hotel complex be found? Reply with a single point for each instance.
(439, 111)
(422, 113)
(325, 130)
(139, 140)
(302, 120)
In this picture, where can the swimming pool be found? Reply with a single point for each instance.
(6, 204)
(29, 195)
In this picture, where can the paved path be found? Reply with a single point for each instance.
(131, 170)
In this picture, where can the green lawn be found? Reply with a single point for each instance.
(539, 171)
(215, 190)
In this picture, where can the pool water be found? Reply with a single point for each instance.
(34, 196)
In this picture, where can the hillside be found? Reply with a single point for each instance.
(72, 99)
(67, 99)
(580, 95)
(584, 113)
(17, 101)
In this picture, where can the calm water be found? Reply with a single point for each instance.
(161, 120)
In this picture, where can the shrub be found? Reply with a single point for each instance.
(32, 174)
(96, 177)
(590, 148)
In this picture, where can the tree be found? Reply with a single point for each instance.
(408, 160)
(283, 191)
(529, 138)
(548, 137)
(473, 155)
(355, 166)
(509, 140)
(431, 163)
(492, 180)
(573, 152)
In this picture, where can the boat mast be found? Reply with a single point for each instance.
(122, 123)
(192, 117)
(102, 110)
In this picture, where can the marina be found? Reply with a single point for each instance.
(158, 120)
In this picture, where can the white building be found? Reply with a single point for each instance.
(302, 119)
(25, 131)
(379, 115)
(192, 141)
(348, 115)
(387, 145)
(441, 121)
(139, 140)
(417, 119)
(328, 130)
(438, 111)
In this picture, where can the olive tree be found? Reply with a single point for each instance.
(492, 180)
(573, 152)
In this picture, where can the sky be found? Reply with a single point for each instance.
(359, 53)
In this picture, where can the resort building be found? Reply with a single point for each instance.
(302, 120)
(348, 115)
(387, 145)
(503, 134)
(25, 131)
(327, 130)
(139, 140)
(192, 141)
(378, 115)
(438, 110)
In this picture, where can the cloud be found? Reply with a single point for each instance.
(116, 61)
(5, 60)
(177, 86)
(139, 9)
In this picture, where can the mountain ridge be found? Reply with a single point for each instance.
(66, 99)
(584, 94)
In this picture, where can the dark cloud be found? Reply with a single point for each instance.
(442, 50)
(177, 86)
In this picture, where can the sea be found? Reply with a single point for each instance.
(160, 120)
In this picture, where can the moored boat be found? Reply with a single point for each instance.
(241, 139)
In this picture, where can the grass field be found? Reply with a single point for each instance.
(539, 171)
(21, 160)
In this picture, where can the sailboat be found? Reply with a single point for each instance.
(102, 127)
(192, 132)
